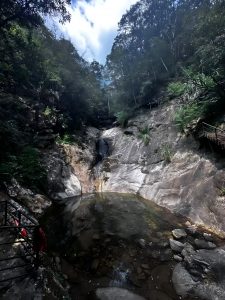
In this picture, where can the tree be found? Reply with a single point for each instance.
(157, 39)
(30, 11)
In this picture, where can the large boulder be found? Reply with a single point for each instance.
(201, 275)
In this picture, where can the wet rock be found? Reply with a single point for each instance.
(178, 258)
(176, 246)
(182, 281)
(179, 233)
(114, 293)
(202, 244)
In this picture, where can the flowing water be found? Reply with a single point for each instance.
(114, 243)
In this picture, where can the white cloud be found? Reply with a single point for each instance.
(93, 26)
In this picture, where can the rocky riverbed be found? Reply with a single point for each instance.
(116, 244)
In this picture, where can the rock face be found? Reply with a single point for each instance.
(170, 170)
(36, 203)
(62, 182)
(69, 168)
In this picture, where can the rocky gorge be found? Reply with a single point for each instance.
(169, 169)
(134, 248)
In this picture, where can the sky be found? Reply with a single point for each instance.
(93, 26)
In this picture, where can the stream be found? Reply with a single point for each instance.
(114, 246)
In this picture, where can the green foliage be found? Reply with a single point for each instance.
(65, 139)
(176, 89)
(30, 11)
(188, 113)
(11, 138)
(26, 168)
(167, 153)
(30, 170)
(47, 112)
(122, 117)
(222, 191)
(146, 55)
(200, 79)
(144, 135)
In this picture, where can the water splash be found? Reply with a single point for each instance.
(120, 277)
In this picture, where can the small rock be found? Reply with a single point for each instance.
(176, 246)
(178, 258)
(142, 243)
(187, 253)
(202, 244)
(179, 233)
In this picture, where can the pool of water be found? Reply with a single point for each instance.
(113, 241)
